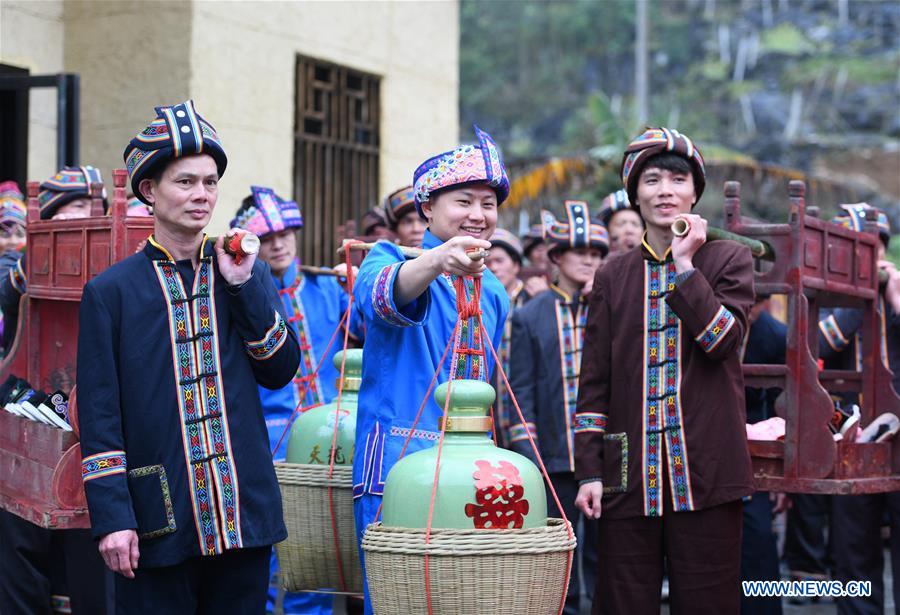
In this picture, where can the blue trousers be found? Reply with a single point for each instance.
(759, 554)
(365, 508)
(296, 603)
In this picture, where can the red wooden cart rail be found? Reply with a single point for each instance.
(40, 466)
(817, 265)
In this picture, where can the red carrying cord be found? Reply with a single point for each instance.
(472, 309)
(337, 419)
(345, 323)
(300, 407)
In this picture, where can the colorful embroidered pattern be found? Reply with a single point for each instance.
(421, 434)
(166, 497)
(270, 343)
(570, 333)
(269, 213)
(18, 278)
(517, 433)
(306, 376)
(372, 453)
(499, 497)
(467, 360)
(662, 420)
(67, 184)
(503, 407)
(382, 299)
(622, 439)
(207, 442)
(467, 163)
(578, 231)
(716, 330)
(590, 421)
(833, 334)
(102, 464)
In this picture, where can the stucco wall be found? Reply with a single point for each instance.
(132, 56)
(237, 61)
(31, 36)
(243, 60)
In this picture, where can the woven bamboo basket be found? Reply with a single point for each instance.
(471, 572)
(308, 556)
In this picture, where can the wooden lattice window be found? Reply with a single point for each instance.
(336, 152)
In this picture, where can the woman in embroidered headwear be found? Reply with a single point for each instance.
(623, 222)
(12, 229)
(173, 344)
(65, 196)
(664, 448)
(856, 545)
(314, 305)
(403, 218)
(410, 312)
(12, 220)
(30, 553)
(547, 342)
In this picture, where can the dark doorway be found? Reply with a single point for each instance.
(15, 85)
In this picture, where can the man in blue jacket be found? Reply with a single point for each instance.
(410, 312)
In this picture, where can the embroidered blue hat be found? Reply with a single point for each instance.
(12, 204)
(265, 212)
(855, 219)
(577, 232)
(464, 165)
(616, 201)
(177, 131)
(658, 141)
(69, 184)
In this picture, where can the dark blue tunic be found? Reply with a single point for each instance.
(173, 438)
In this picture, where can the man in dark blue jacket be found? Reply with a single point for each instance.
(173, 342)
(545, 362)
(856, 520)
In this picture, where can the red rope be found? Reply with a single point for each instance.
(345, 320)
(337, 419)
(300, 407)
(537, 455)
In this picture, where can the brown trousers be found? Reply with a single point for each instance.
(702, 552)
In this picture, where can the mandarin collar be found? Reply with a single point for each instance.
(156, 252)
(649, 254)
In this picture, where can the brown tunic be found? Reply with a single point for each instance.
(661, 382)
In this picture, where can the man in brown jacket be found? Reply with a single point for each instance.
(660, 444)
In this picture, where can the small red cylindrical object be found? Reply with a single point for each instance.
(241, 244)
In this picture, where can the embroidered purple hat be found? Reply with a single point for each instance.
(177, 131)
(398, 204)
(265, 212)
(69, 184)
(464, 165)
(855, 219)
(12, 204)
(577, 232)
(509, 242)
(657, 141)
(616, 201)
